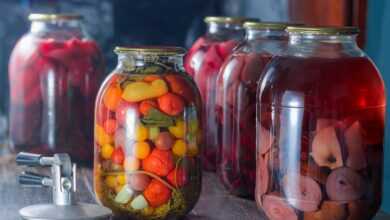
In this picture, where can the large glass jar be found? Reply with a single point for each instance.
(203, 62)
(236, 104)
(54, 75)
(320, 129)
(147, 136)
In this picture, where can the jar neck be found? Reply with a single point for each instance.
(59, 28)
(323, 45)
(265, 34)
(128, 62)
(225, 31)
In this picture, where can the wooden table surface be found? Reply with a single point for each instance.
(214, 203)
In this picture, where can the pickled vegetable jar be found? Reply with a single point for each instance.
(54, 74)
(236, 105)
(320, 129)
(203, 62)
(147, 136)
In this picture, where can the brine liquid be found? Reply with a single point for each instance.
(320, 139)
(53, 85)
(236, 117)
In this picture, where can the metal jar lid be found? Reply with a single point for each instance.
(50, 17)
(323, 30)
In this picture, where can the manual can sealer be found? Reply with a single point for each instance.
(63, 184)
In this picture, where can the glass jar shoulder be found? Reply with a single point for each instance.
(342, 83)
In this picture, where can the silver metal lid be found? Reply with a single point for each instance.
(80, 211)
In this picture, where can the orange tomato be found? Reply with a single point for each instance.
(112, 97)
(179, 86)
(171, 104)
(159, 162)
(146, 105)
(156, 193)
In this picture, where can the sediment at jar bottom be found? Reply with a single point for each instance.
(148, 164)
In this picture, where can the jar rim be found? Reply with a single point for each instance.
(228, 20)
(267, 25)
(323, 30)
(49, 17)
(151, 50)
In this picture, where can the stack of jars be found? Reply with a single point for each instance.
(300, 114)
(203, 62)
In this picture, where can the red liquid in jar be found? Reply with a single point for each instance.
(321, 130)
(203, 63)
(236, 116)
(53, 85)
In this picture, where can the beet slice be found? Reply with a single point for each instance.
(276, 208)
(302, 192)
(330, 210)
(345, 184)
(354, 140)
(326, 149)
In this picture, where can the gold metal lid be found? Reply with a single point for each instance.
(266, 25)
(48, 17)
(323, 30)
(228, 20)
(155, 50)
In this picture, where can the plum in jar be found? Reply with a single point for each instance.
(54, 74)
(320, 129)
(236, 104)
(147, 136)
(203, 62)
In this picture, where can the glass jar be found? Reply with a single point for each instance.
(203, 62)
(147, 136)
(236, 105)
(320, 129)
(54, 74)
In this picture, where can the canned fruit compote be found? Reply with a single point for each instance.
(236, 104)
(203, 62)
(320, 127)
(54, 73)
